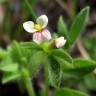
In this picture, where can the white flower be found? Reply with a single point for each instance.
(60, 42)
(40, 33)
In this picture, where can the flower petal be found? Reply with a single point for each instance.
(46, 35)
(29, 26)
(37, 37)
(60, 42)
(42, 21)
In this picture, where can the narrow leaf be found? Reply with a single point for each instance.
(84, 63)
(9, 67)
(81, 68)
(10, 77)
(62, 29)
(62, 54)
(29, 45)
(35, 61)
(54, 72)
(78, 25)
(63, 64)
(69, 92)
(16, 51)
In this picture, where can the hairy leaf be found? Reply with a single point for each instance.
(81, 68)
(62, 54)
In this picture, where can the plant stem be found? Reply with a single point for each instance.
(29, 87)
(27, 82)
(46, 80)
(30, 9)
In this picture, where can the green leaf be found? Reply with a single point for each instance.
(29, 45)
(62, 29)
(63, 58)
(89, 82)
(16, 52)
(81, 68)
(84, 63)
(33, 2)
(69, 92)
(3, 54)
(20, 54)
(10, 76)
(63, 64)
(35, 61)
(54, 72)
(78, 24)
(9, 67)
(62, 54)
(29, 5)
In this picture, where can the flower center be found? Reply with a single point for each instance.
(37, 27)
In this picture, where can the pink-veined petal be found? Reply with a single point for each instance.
(29, 26)
(46, 35)
(37, 37)
(42, 21)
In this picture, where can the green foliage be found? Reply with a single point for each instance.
(16, 52)
(88, 82)
(78, 24)
(11, 76)
(58, 60)
(84, 63)
(35, 62)
(29, 45)
(9, 67)
(81, 67)
(29, 6)
(22, 61)
(54, 72)
(62, 29)
(33, 2)
(62, 54)
(3, 54)
(69, 92)
(89, 43)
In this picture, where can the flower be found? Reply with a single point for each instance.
(40, 33)
(60, 42)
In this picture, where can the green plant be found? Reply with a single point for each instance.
(21, 61)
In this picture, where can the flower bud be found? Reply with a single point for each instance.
(60, 42)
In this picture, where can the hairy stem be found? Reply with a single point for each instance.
(27, 82)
